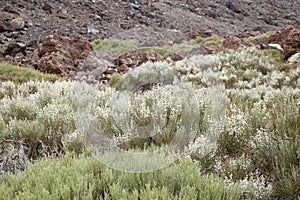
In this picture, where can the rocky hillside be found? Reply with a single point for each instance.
(53, 36)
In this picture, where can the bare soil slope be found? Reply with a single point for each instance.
(150, 22)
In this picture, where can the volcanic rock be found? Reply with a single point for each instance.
(14, 48)
(8, 22)
(59, 55)
(233, 43)
(234, 6)
(289, 40)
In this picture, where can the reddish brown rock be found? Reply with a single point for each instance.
(133, 58)
(176, 57)
(202, 33)
(210, 49)
(289, 40)
(232, 43)
(59, 55)
(123, 68)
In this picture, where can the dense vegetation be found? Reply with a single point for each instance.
(236, 112)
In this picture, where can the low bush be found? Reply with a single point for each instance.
(18, 74)
(112, 45)
(259, 38)
(87, 178)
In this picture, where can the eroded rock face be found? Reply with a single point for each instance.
(59, 55)
(289, 40)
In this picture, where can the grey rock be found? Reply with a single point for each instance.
(234, 6)
(92, 30)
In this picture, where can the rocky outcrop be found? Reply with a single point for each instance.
(288, 39)
(60, 55)
(232, 43)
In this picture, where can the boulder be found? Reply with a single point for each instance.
(93, 61)
(211, 49)
(59, 55)
(234, 6)
(232, 43)
(10, 22)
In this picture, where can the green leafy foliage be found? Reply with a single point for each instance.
(155, 51)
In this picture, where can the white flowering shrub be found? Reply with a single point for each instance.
(234, 136)
(37, 113)
(233, 168)
(238, 69)
(158, 73)
(169, 115)
(256, 186)
(236, 114)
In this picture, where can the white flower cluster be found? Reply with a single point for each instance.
(50, 104)
(240, 69)
(261, 139)
(248, 68)
(236, 123)
(256, 186)
(164, 110)
(233, 166)
(201, 147)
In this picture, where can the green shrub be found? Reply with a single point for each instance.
(234, 137)
(211, 40)
(87, 178)
(112, 45)
(114, 80)
(155, 51)
(259, 38)
(273, 54)
(183, 47)
(157, 73)
(188, 46)
(39, 114)
(18, 74)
